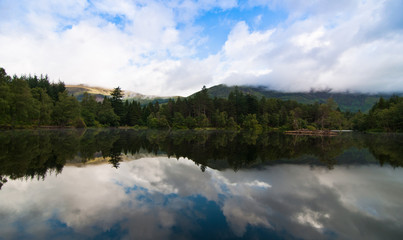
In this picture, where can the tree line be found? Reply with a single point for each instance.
(34, 101)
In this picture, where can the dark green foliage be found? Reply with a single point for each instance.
(250, 123)
(4, 78)
(219, 119)
(89, 109)
(52, 89)
(190, 122)
(133, 113)
(5, 98)
(30, 101)
(45, 106)
(66, 111)
(106, 116)
(24, 109)
(385, 115)
(178, 121)
(117, 104)
(347, 101)
(156, 120)
(34, 154)
(231, 124)
(202, 121)
(201, 103)
(33, 101)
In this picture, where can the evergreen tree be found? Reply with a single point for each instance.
(251, 123)
(45, 106)
(24, 108)
(66, 111)
(106, 115)
(133, 114)
(89, 107)
(117, 104)
(5, 98)
(202, 103)
(178, 121)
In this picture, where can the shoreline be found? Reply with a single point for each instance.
(306, 132)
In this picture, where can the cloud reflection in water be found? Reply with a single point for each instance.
(163, 198)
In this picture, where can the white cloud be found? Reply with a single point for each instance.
(336, 48)
(152, 47)
(83, 44)
(310, 41)
(242, 56)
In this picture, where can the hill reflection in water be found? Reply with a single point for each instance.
(182, 185)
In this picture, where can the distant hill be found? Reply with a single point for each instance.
(347, 101)
(99, 93)
(79, 90)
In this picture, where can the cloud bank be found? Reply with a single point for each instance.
(165, 47)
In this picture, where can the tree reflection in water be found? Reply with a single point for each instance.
(33, 154)
(282, 190)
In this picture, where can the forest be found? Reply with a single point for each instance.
(34, 101)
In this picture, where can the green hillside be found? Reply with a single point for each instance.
(346, 101)
(99, 93)
(79, 90)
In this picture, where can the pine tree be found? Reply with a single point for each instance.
(117, 104)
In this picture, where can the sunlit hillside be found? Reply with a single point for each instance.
(99, 92)
(79, 90)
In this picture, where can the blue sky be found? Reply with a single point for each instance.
(218, 23)
(175, 47)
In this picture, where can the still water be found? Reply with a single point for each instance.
(126, 184)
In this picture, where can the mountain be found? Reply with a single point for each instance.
(346, 101)
(99, 93)
(79, 90)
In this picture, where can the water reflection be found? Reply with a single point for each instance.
(32, 154)
(165, 198)
(199, 185)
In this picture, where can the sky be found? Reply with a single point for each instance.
(175, 47)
